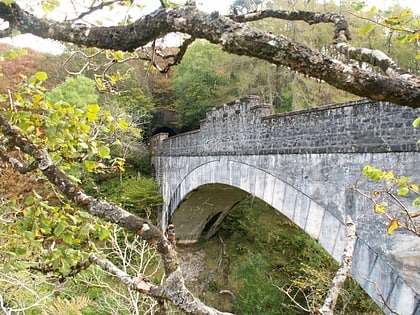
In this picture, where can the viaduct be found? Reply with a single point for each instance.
(303, 164)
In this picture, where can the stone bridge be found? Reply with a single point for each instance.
(303, 164)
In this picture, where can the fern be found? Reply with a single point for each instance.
(62, 306)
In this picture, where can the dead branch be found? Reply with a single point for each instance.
(341, 275)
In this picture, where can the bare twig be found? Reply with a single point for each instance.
(381, 297)
(286, 290)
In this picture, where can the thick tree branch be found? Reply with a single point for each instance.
(174, 288)
(234, 37)
(16, 164)
(340, 23)
(340, 38)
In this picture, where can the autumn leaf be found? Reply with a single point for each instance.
(41, 75)
(393, 225)
(379, 208)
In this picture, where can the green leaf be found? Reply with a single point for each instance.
(414, 187)
(104, 152)
(41, 76)
(372, 10)
(93, 108)
(68, 237)
(50, 5)
(84, 214)
(65, 267)
(59, 229)
(373, 173)
(20, 250)
(7, 2)
(416, 122)
(84, 231)
(366, 29)
(29, 235)
(402, 191)
(90, 166)
(91, 116)
(74, 179)
(403, 38)
(29, 200)
(103, 234)
(123, 124)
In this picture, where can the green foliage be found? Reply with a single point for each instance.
(72, 133)
(44, 232)
(137, 194)
(50, 5)
(387, 198)
(13, 53)
(396, 27)
(208, 77)
(265, 251)
(258, 293)
(79, 91)
(25, 291)
(74, 306)
(50, 238)
(197, 83)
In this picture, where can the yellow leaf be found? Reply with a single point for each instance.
(414, 187)
(123, 124)
(38, 132)
(41, 75)
(379, 208)
(91, 116)
(93, 108)
(393, 225)
(119, 55)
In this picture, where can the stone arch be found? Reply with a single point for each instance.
(233, 181)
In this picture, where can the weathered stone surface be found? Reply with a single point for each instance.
(302, 164)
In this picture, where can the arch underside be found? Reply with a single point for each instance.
(204, 197)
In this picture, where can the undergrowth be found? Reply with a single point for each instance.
(264, 251)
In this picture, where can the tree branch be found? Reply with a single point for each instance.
(340, 23)
(341, 275)
(340, 38)
(95, 8)
(16, 164)
(174, 288)
(234, 37)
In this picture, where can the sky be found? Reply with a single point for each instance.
(150, 5)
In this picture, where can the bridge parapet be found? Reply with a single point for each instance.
(246, 127)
